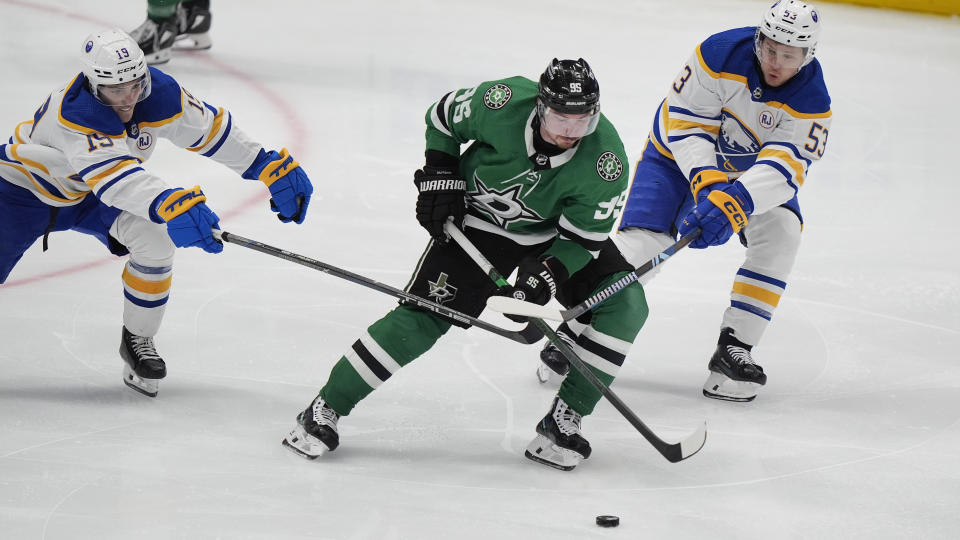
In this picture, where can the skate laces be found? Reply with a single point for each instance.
(324, 415)
(143, 348)
(568, 420)
(740, 355)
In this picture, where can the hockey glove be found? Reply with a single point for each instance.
(705, 181)
(537, 281)
(189, 220)
(290, 189)
(442, 195)
(723, 213)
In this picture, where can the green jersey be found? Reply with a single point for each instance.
(515, 191)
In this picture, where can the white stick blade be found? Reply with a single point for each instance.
(508, 304)
(693, 443)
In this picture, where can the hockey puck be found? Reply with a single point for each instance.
(608, 521)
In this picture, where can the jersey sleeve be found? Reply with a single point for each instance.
(455, 119)
(691, 116)
(591, 210)
(211, 132)
(783, 161)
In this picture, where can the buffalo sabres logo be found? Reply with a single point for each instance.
(609, 166)
(503, 206)
(497, 96)
(144, 140)
(440, 290)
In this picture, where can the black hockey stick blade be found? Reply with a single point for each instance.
(527, 335)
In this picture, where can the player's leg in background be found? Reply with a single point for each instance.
(146, 280)
(194, 20)
(603, 346)
(773, 240)
(157, 34)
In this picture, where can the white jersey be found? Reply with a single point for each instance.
(75, 145)
(719, 115)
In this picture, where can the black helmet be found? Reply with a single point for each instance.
(569, 86)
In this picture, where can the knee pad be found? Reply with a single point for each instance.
(640, 245)
(148, 242)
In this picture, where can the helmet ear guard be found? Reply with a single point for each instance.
(112, 57)
(790, 22)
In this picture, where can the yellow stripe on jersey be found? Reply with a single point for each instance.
(31, 163)
(786, 158)
(217, 121)
(677, 125)
(796, 114)
(39, 188)
(722, 74)
(16, 131)
(144, 286)
(111, 171)
(757, 293)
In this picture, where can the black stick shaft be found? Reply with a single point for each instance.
(527, 335)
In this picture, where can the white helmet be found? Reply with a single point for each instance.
(793, 23)
(112, 57)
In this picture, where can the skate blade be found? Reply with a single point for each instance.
(543, 450)
(158, 58)
(719, 386)
(548, 376)
(193, 42)
(147, 387)
(304, 445)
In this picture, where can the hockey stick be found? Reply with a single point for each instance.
(674, 452)
(507, 304)
(529, 334)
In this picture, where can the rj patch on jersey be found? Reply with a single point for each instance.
(609, 166)
(497, 96)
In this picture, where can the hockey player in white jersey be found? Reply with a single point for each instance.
(730, 147)
(77, 165)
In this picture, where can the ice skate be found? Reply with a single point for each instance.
(142, 366)
(316, 431)
(193, 25)
(156, 37)
(553, 365)
(733, 374)
(558, 443)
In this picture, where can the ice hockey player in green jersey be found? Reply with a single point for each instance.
(538, 190)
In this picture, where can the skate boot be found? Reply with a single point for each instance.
(559, 443)
(553, 365)
(142, 366)
(733, 375)
(193, 25)
(315, 432)
(156, 37)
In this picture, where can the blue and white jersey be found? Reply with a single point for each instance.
(718, 114)
(75, 145)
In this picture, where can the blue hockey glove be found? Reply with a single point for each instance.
(442, 195)
(705, 181)
(723, 213)
(290, 189)
(189, 220)
(537, 281)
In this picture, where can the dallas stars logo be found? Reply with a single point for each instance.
(503, 206)
(497, 96)
(609, 166)
(440, 290)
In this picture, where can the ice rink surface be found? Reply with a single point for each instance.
(855, 436)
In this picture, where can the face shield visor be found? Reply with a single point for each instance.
(778, 55)
(571, 125)
(117, 94)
